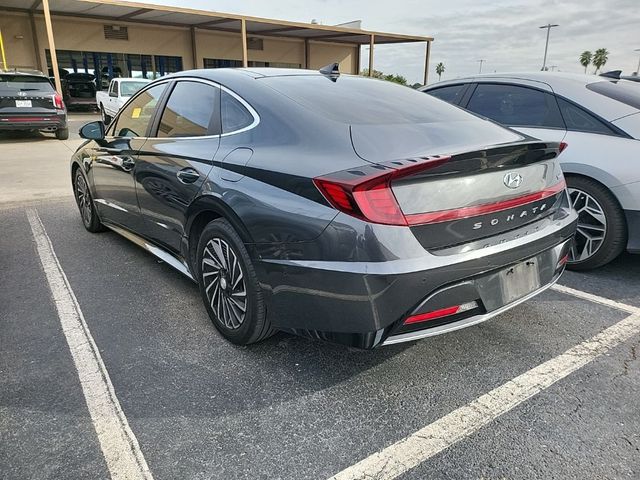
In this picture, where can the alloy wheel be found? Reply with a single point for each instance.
(83, 198)
(224, 283)
(592, 225)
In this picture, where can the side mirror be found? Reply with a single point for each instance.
(93, 131)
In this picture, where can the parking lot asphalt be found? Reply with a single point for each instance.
(289, 407)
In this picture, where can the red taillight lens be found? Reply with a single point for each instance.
(562, 147)
(370, 197)
(57, 101)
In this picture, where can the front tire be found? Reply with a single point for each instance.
(229, 285)
(85, 204)
(106, 119)
(602, 231)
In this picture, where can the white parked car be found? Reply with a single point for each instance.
(120, 90)
(599, 119)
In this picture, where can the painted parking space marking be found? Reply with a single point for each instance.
(118, 443)
(427, 442)
(595, 299)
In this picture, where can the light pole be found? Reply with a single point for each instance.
(638, 69)
(481, 61)
(548, 26)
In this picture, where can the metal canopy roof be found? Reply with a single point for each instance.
(121, 11)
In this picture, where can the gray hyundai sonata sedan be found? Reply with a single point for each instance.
(339, 207)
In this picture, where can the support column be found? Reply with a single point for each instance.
(427, 55)
(307, 52)
(194, 49)
(245, 57)
(372, 41)
(52, 45)
(36, 43)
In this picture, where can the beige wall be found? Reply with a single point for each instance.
(88, 35)
(20, 52)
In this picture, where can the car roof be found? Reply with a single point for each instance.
(568, 85)
(18, 73)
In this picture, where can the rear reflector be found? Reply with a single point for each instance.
(563, 261)
(443, 312)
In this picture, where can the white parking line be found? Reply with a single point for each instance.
(596, 299)
(118, 443)
(409, 452)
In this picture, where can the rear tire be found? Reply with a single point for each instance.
(229, 285)
(602, 229)
(84, 200)
(62, 133)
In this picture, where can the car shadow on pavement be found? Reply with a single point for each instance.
(618, 280)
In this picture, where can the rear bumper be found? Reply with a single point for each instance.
(633, 229)
(364, 304)
(33, 122)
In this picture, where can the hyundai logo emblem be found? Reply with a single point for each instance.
(512, 180)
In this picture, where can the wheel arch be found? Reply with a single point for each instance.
(204, 210)
(595, 180)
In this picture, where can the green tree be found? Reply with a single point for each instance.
(440, 70)
(600, 57)
(585, 59)
(389, 77)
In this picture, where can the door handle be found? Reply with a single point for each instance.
(188, 175)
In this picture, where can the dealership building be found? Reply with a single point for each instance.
(126, 39)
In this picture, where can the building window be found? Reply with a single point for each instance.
(221, 63)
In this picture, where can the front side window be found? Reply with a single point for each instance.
(190, 111)
(451, 93)
(134, 120)
(234, 115)
(516, 106)
(114, 89)
(580, 120)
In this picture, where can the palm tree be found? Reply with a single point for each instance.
(585, 59)
(600, 57)
(440, 70)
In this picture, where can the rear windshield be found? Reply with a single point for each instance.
(23, 83)
(129, 88)
(359, 100)
(622, 91)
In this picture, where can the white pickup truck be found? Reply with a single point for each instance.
(119, 91)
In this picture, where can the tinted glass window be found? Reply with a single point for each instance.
(12, 84)
(114, 88)
(451, 94)
(580, 120)
(359, 100)
(516, 106)
(129, 88)
(189, 111)
(234, 115)
(135, 118)
(627, 93)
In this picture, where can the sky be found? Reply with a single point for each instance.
(504, 33)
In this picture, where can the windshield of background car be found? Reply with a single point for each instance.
(359, 100)
(12, 84)
(622, 91)
(129, 88)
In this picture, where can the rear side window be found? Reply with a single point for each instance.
(134, 120)
(627, 93)
(190, 111)
(580, 120)
(12, 84)
(451, 94)
(516, 106)
(234, 115)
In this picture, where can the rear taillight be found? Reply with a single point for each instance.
(369, 197)
(57, 101)
(561, 147)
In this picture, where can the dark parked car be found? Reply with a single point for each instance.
(28, 101)
(338, 207)
(81, 91)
